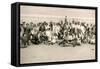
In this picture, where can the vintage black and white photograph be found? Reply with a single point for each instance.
(53, 34)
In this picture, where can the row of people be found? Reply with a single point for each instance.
(62, 33)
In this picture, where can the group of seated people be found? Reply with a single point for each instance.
(63, 33)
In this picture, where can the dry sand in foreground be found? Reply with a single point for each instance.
(52, 53)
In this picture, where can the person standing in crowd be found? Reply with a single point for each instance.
(61, 33)
(24, 34)
(35, 39)
(64, 32)
(27, 33)
(42, 31)
(51, 25)
(21, 35)
(87, 32)
(21, 30)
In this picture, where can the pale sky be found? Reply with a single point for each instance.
(34, 13)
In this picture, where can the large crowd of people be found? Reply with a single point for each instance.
(63, 33)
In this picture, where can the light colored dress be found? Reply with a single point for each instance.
(54, 39)
(49, 34)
